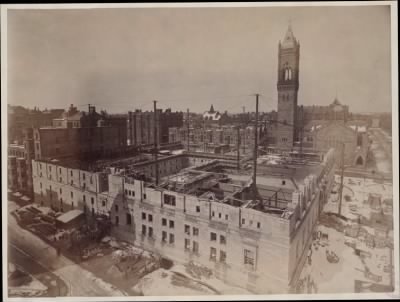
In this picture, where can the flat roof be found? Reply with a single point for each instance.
(69, 216)
(269, 181)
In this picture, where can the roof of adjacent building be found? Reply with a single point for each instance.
(318, 125)
(69, 216)
(212, 114)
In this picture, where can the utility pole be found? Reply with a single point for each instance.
(244, 140)
(255, 151)
(156, 141)
(188, 129)
(341, 180)
(204, 135)
(238, 147)
(301, 131)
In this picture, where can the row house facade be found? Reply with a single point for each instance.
(203, 138)
(142, 125)
(19, 164)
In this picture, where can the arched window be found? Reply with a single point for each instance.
(288, 73)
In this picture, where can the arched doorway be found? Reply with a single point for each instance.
(359, 161)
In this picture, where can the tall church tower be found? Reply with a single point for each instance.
(288, 85)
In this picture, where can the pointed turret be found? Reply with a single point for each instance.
(212, 109)
(289, 41)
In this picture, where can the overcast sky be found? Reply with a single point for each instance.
(122, 59)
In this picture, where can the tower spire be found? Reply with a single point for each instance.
(289, 40)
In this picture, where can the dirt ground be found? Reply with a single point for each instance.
(122, 274)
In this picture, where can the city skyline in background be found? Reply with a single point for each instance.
(122, 59)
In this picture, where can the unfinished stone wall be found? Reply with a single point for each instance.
(279, 245)
(182, 233)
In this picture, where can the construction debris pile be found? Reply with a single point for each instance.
(357, 245)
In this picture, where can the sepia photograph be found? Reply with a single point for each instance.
(200, 151)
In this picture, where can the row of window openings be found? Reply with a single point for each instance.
(222, 238)
(149, 217)
(220, 215)
(72, 196)
(195, 231)
(171, 222)
(251, 223)
(129, 193)
(83, 175)
(148, 231)
(195, 246)
(248, 255)
(61, 180)
(164, 222)
(132, 193)
(169, 238)
(213, 255)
